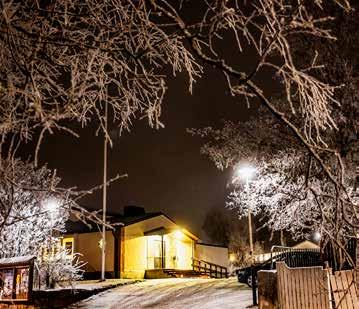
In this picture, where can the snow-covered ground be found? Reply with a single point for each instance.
(95, 284)
(174, 294)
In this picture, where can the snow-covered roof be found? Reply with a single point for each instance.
(306, 244)
(17, 260)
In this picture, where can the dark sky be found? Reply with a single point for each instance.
(166, 170)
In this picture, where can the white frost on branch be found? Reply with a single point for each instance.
(62, 60)
(27, 216)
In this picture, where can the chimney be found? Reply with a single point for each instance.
(133, 211)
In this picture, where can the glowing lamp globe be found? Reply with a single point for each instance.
(317, 236)
(246, 172)
(52, 205)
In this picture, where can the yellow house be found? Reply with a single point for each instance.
(147, 245)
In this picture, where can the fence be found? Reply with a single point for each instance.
(209, 269)
(305, 287)
(295, 257)
(316, 288)
(344, 289)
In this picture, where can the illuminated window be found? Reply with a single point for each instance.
(68, 245)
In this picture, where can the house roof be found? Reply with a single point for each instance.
(212, 245)
(78, 227)
(18, 260)
(163, 231)
(306, 244)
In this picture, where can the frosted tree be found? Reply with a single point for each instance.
(63, 60)
(57, 265)
(290, 189)
(34, 207)
(293, 41)
(33, 212)
(29, 212)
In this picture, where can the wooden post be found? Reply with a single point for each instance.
(31, 281)
(116, 263)
(13, 292)
(328, 272)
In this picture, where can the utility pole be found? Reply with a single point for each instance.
(104, 198)
(251, 252)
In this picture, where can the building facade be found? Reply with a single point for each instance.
(146, 242)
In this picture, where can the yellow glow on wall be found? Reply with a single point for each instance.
(178, 234)
(154, 251)
(232, 257)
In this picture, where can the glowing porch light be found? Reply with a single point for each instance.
(178, 234)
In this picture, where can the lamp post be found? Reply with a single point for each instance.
(51, 205)
(247, 173)
(104, 199)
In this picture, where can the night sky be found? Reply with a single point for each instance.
(166, 171)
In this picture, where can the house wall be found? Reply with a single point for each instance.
(212, 254)
(88, 245)
(179, 251)
(133, 248)
(134, 256)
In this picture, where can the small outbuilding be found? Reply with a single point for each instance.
(16, 279)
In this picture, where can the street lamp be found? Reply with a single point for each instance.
(52, 205)
(317, 236)
(246, 173)
(104, 197)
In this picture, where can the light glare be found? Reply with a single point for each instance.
(246, 172)
(52, 205)
(178, 234)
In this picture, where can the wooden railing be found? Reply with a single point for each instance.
(209, 269)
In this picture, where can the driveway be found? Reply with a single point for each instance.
(174, 294)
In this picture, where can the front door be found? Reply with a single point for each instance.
(159, 256)
(156, 253)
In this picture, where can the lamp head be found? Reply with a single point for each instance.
(52, 204)
(317, 236)
(246, 172)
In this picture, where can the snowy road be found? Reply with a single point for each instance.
(174, 294)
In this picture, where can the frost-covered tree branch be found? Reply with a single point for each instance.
(271, 30)
(33, 207)
(27, 215)
(62, 60)
(311, 107)
(290, 189)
